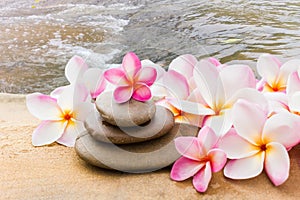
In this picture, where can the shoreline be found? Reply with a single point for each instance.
(56, 172)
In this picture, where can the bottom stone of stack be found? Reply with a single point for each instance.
(133, 158)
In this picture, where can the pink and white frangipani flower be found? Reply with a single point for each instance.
(200, 157)
(62, 118)
(186, 64)
(172, 86)
(259, 142)
(131, 80)
(77, 71)
(274, 74)
(218, 88)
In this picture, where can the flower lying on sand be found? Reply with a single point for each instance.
(62, 118)
(131, 79)
(259, 142)
(200, 157)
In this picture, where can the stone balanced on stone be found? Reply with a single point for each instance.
(133, 137)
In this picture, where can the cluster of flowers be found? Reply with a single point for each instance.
(247, 125)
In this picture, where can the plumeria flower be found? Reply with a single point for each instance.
(131, 79)
(77, 71)
(178, 83)
(200, 157)
(274, 74)
(218, 88)
(259, 142)
(186, 64)
(62, 118)
(169, 88)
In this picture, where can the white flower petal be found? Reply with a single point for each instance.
(176, 84)
(236, 147)
(43, 106)
(184, 65)
(294, 102)
(48, 132)
(205, 76)
(219, 123)
(293, 83)
(282, 128)
(75, 68)
(287, 68)
(249, 120)
(70, 134)
(277, 163)
(94, 81)
(236, 77)
(82, 110)
(245, 168)
(190, 107)
(72, 96)
(268, 67)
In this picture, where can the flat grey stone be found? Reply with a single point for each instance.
(131, 113)
(161, 123)
(134, 158)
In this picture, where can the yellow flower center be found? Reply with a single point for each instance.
(67, 116)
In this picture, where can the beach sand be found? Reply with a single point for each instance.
(55, 171)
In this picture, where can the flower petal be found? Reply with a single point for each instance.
(236, 147)
(142, 93)
(251, 95)
(202, 178)
(278, 102)
(294, 102)
(176, 84)
(236, 77)
(207, 138)
(82, 110)
(268, 67)
(43, 106)
(48, 132)
(146, 75)
(187, 118)
(286, 69)
(221, 123)
(190, 107)
(57, 91)
(205, 76)
(249, 120)
(131, 64)
(159, 70)
(282, 128)
(94, 81)
(70, 134)
(293, 84)
(218, 159)
(277, 163)
(116, 76)
(189, 147)
(72, 95)
(245, 168)
(75, 68)
(123, 94)
(185, 168)
(184, 65)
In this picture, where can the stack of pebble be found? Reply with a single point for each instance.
(132, 137)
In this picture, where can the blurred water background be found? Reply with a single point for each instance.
(38, 37)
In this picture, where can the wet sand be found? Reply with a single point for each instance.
(55, 172)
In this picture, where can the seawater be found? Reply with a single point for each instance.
(39, 37)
